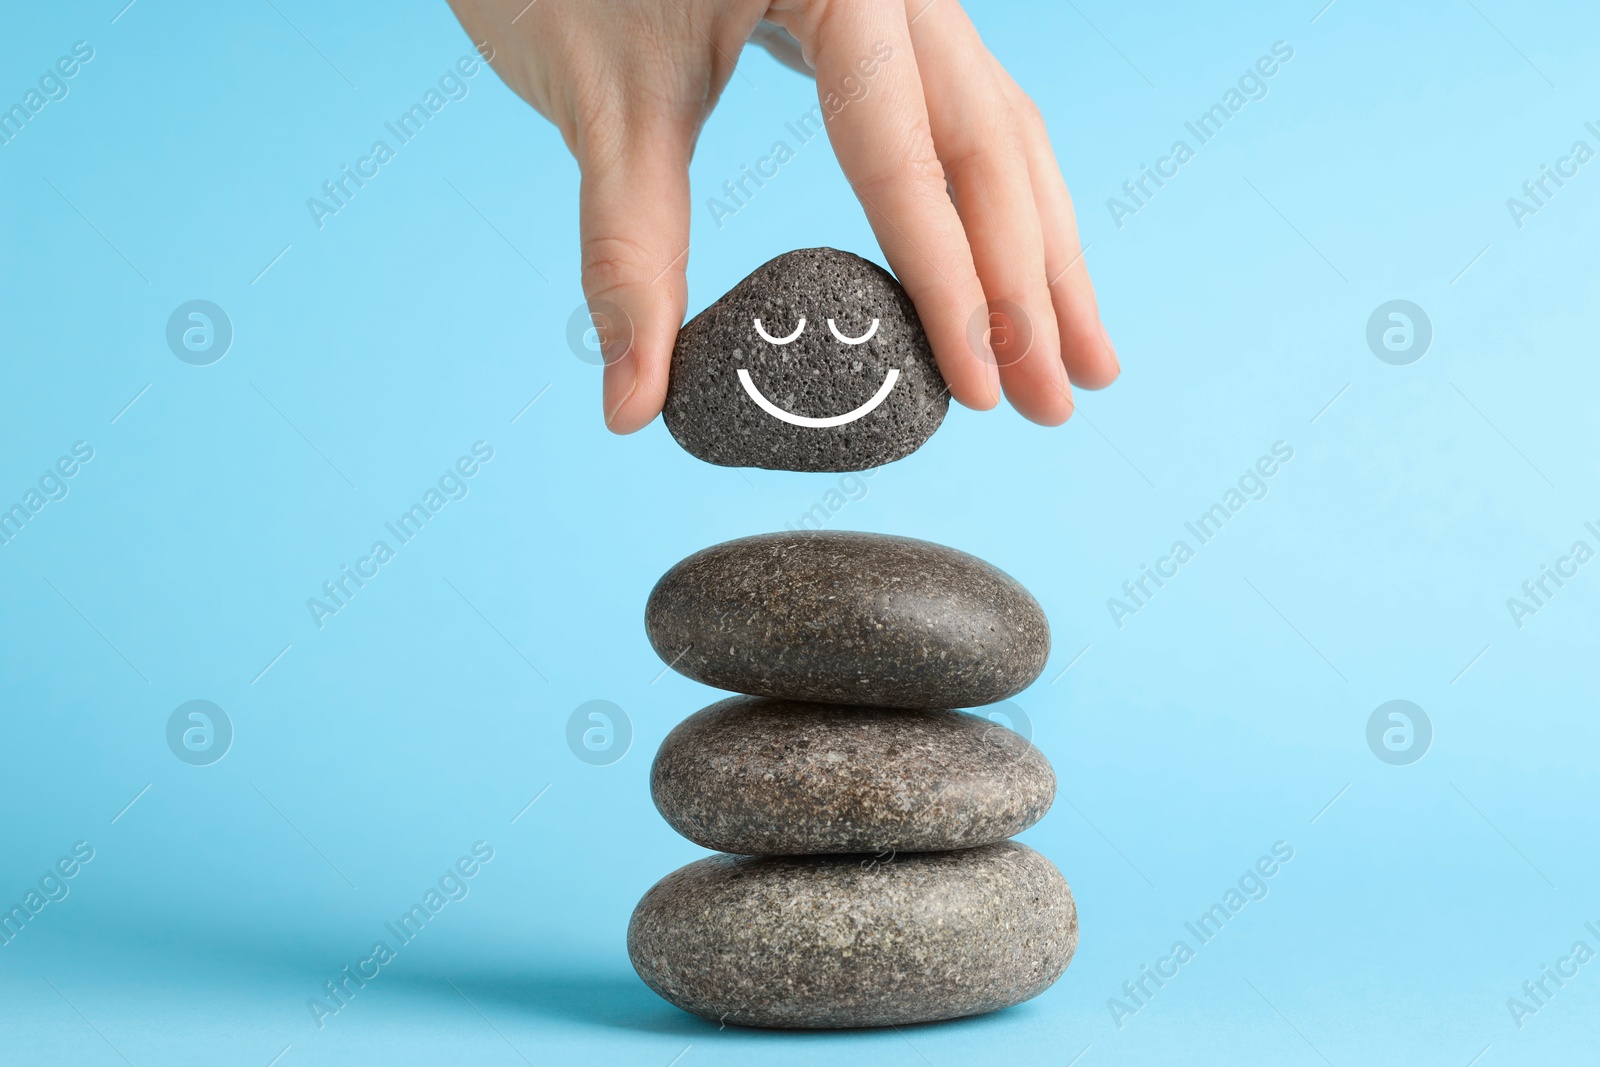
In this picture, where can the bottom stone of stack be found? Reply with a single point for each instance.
(823, 942)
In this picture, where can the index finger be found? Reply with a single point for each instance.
(871, 98)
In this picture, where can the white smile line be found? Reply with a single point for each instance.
(819, 424)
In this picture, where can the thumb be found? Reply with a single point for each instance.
(634, 225)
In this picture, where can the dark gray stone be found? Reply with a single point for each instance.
(848, 618)
(713, 415)
(774, 777)
(842, 941)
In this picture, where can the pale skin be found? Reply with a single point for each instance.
(948, 157)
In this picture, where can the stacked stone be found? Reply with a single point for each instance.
(867, 876)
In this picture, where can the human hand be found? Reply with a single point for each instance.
(932, 152)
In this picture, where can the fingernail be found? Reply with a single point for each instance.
(621, 380)
(1110, 348)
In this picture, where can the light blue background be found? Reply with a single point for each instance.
(1223, 717)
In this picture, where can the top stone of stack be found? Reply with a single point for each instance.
(848, 618)
(815, 362)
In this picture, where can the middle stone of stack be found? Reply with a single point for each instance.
(902, 899)
(761, 777)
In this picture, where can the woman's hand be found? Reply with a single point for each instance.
(949, 159)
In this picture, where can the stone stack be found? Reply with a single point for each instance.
(867, 878)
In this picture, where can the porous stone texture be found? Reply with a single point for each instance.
(774, 777)
(710, 413)
(848, 618)
(846, 941)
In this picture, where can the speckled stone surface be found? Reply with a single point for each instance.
(845, 941)
(848, 618)
(712, 414)
(773, 777)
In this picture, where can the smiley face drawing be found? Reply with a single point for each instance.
(815, 362)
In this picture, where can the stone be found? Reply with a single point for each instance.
(773, 777)
(815, 362)
(844, 941)
(848, 618)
